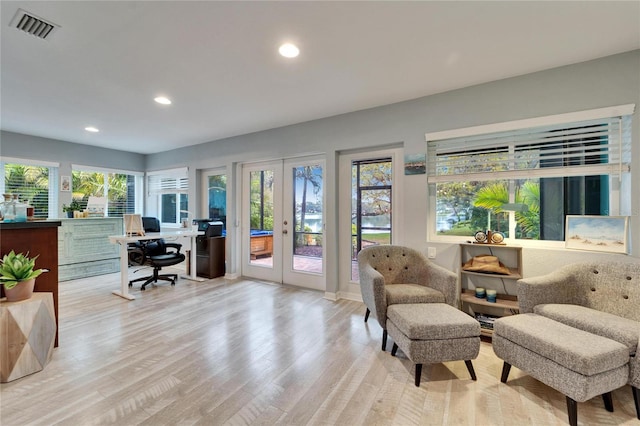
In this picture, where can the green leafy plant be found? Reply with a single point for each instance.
(15, 268)
(74, 206)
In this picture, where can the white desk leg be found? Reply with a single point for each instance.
(124, 274)
(193, 275)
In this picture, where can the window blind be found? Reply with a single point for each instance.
(599, 146)
(33, 182)
(168, 182)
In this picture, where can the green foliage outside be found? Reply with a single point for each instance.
(261, 200)
(378, 238)
(92, 184)
(478, 206)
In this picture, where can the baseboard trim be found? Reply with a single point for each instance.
(334, 297)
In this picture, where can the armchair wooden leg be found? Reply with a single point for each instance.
(608, 401)
(418, 374)
(506, 368)
(472, 372)
(636, 398)
(394, 349)
(572, 411)
(366, 315)
(384, 340)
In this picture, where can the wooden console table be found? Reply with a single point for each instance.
(27, 333)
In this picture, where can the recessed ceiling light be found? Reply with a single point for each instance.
(92, 129)
(289, 50)
(162, 100)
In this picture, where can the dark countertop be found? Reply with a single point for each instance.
(30, 224)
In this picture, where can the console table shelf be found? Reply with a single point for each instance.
(468, 296)
(504, 284)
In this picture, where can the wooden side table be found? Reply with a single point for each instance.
(27, 335)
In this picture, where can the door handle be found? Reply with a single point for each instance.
(284, 231)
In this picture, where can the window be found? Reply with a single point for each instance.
(168, 195)
(121, 189)
(34, 182)
(522, 178)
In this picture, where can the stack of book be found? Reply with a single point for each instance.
(486, 321)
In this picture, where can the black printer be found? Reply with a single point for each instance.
(211, 228)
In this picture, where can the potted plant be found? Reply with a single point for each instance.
(18, 275)
(74, 206)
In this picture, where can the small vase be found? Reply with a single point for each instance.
(22, 291)
(70, 214)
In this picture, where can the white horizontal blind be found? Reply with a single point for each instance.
(121, 194)
(591, 147)
(35, 183)
(168, 182)
(120, 187)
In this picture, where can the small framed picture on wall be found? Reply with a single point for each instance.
(65, 183)
(415, 164)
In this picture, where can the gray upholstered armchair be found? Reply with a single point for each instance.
(602, 298)
(395, 275)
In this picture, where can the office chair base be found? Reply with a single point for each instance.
(153, 279)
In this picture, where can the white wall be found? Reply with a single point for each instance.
(614, 80)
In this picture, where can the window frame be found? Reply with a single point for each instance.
(496, 128)
(154, 195)
(345, 244)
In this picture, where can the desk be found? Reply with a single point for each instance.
(124, 240)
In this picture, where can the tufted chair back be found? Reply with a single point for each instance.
(396, 264)
(612, 287)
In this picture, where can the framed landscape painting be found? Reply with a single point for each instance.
(597, 233)
(415, 164)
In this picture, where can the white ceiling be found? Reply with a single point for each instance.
(218, 61)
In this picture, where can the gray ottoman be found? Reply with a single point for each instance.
(576, 363)
(433, 332)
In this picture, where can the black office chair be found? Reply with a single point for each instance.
(154, 253)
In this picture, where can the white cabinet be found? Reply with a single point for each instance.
(504, 285)
(84, 249)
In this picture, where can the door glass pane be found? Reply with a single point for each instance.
(168, 214)
(308, 219)
(217, 191)
(261, 218)
(184, 207)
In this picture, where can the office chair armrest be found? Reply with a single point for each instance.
(174, 246)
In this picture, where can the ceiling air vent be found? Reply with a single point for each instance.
(29, 23)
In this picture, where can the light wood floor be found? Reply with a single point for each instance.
(243, 352)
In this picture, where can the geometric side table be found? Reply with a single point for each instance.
(27, 335)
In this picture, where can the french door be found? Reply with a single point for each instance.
(283, 222)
